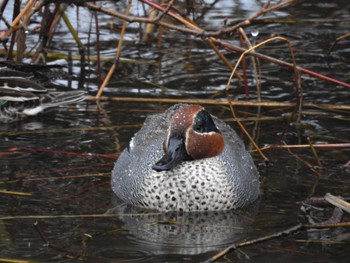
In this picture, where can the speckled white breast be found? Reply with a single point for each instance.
(193, 186)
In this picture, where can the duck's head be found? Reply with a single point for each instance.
(192, 135)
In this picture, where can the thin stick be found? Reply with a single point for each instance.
(80, 129)
(28, 6)
(288, 231)
(14, 193)
(296, 156)
(117, 56)
(71, 28)
(314, 152)
(230, 79)
(76, 154)
(83, 176)
(255, 63)
(255, 241)
(302, 146)
(31, 217)
(221, 102)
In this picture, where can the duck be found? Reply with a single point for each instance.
(23, 94)
(185, 160)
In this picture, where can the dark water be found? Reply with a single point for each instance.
(62, 159)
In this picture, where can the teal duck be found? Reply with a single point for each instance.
(186, 160)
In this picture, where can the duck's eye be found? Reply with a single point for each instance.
(203, 123)
(198, 127)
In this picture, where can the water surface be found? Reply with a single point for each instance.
(54, 157)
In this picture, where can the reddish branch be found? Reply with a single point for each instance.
(18, 150)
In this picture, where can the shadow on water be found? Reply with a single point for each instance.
(57, 165)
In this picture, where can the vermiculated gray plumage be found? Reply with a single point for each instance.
(21, 94)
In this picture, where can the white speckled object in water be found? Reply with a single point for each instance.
(166, 166)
